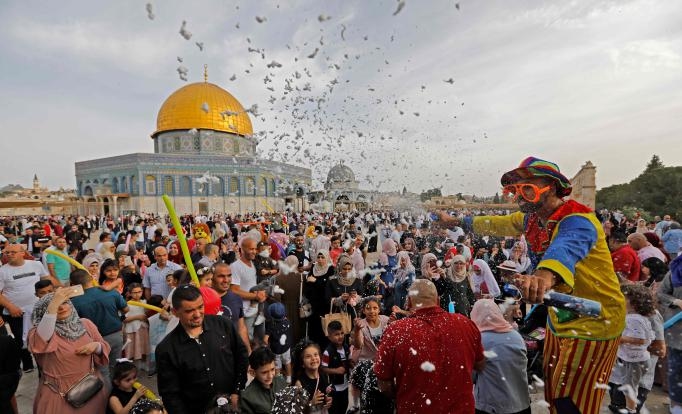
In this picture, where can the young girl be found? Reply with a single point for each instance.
(108, 279)
(123, 396)
(137, 328)
(211, 298)
(307, 375)
(633, 355)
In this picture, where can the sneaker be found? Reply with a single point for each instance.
(27, 370)
(259, 320)
(353, 410)
(151, 373)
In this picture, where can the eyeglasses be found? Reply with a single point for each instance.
(529, 192)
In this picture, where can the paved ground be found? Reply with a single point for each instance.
(657, 403)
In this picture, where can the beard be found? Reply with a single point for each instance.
(527, 207)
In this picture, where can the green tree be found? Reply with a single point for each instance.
(657, 191)
(654, 164)
(428, 194)
(496, 199)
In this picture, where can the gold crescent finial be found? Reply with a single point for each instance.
(205, 72)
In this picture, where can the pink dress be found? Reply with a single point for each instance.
(63, 368)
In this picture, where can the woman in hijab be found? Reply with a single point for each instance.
(504, 373)
(444, 286)
(519, 254)
(67, 348)
(404, 276)
(483, 280)
(344, 289)
(314, 289)
(388, 262)
(107, 250)
(410, 246)
(463, 296)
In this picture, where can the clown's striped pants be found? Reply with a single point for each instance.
(573, 369)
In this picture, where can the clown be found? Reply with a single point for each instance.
(573, 257)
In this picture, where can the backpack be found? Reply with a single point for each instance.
(280, 336)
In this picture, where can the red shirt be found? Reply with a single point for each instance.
(626, 262)
(431, 355)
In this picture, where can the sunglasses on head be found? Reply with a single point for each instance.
(529, 192)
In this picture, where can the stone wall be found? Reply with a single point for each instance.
(585, 185)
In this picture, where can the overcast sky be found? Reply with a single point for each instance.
(568, 81)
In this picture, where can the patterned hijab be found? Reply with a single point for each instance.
(322, 270)
(348, 280)
(70, 328)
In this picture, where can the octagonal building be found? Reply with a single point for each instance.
(204, 159)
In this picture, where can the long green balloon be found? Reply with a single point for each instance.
(181, 239)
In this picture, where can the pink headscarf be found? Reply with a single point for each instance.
(388, 248)
(488, 317)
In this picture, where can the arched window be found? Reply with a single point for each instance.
(185, 186)
(114, 185)
(234, 186)
(169, 186)
(150, 185)
(134, 185)
(263, 187)
(273, 187)
(249, 186)
(218, 187)
(124, 184)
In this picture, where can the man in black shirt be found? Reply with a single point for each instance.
(201, 358)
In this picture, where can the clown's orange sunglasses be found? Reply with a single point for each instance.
(529, 192)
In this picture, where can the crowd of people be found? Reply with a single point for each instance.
(368, 312)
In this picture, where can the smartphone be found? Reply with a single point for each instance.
(75, 290)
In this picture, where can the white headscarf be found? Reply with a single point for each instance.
(485, 276)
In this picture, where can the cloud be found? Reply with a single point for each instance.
(88, 44)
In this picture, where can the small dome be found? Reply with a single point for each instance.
(184, 109)
(340, 173)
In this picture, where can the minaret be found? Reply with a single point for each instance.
(36, 183)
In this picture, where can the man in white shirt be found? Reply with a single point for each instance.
(243, 279)
(17, 284)
(154, 282)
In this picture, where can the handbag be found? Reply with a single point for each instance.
(343, 317)
(305, 308)
(83, 390)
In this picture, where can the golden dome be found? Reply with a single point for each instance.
(185, 109)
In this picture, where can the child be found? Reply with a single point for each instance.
(278, 338)
(43, 287)
(123, 396)
(157, 331)
(307, 375)
(212, 304)
(145, 406)
(632, 351)
(108, 278)
(336, 364)
(257, 398)
(137, 328)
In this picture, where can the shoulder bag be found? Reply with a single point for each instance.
(305, 308)
(83, 390)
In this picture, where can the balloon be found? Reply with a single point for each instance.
(265, 203)
(145, 305)
(149, 394)
(181, 239)
(65, 257)
(70, 260)
(672, 321)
